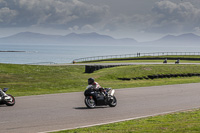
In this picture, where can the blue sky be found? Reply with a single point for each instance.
(142, 20)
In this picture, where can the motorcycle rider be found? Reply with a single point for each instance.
(96, 86)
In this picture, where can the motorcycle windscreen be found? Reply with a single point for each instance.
(112, 92)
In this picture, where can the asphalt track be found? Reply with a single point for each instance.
(53, 112)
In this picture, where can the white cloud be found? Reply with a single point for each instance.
(197, 29)
(135, 22)
(88, 28)
(52, 13)
(74, 28)
(165, 17)
(173, 17)
(6, 15)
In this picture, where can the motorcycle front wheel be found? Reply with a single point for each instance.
(11, 102)
(114, 102)
(89, 102)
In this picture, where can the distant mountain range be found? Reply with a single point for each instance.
(184, 37)
(73, 38)
(188, 39)
(93, 38)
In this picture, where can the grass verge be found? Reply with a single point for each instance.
(182, 122)
(34, 80)
(26, 80)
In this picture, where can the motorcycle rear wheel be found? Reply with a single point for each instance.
(90, 103)
(12, 102)
(114, 102)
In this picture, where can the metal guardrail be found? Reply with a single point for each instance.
(41, 63)
(133, 55)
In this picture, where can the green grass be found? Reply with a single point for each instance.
(144, 70)
(182, 122)
(35, 80)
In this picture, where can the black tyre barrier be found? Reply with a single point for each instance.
(92, 68)
(124, 78)
(162, 76)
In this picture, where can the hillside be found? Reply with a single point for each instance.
(188, 38)
(73, 38)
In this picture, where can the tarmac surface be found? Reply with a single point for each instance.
(54, 112)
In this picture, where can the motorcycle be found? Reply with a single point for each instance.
(7, 99)
(97, 98)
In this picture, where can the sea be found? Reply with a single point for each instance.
(61, 53)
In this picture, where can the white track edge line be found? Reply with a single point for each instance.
(134, 118)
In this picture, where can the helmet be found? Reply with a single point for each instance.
(90, 81)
